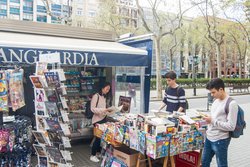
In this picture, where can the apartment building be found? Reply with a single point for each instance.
(35, 10)
(85, 12)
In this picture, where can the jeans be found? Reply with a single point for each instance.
(219, 148)
(97, 143)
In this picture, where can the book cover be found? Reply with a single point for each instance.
(41, 67)
(39, 150)
(52, 109)
(37, 81)
(126, 103)
(133, 138)
(52, 78)
(55, 154)
(142, 142)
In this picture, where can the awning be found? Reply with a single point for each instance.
(26, 48)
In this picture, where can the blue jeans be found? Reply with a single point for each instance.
(219, 148)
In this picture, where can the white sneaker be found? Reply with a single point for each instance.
(94, 158)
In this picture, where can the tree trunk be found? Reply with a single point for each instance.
(171, 58)
(218, 61)
(158, 67)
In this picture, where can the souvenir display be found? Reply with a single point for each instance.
(15, 141)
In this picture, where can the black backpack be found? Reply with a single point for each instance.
(185, 99)
(88, 113)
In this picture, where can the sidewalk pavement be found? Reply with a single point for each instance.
(200, 93)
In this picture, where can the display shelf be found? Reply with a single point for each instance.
(81, 83)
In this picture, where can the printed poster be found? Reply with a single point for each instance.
(125, 102)
(3, 92)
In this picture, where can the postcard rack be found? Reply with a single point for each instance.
(52, 129)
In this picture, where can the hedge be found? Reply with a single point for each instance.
(201, 82)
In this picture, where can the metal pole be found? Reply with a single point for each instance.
(193, 76)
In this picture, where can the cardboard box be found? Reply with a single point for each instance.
(127, 155)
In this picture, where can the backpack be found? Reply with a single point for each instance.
(88, 113)
(240, 123)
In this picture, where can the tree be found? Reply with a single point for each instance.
(113, 17)
(164, 24)
(65, 19)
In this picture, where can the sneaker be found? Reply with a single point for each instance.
(99, 155)
(94, 158)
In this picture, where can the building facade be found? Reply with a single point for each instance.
(35, 10)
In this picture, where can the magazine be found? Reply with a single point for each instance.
(53, 124)
(39, 150)
(40, 124)
(16, 89)
(126, 103)
(55, 154)
(52, 78)
(52, 95)
(52, 109)
(37, 81)
(40, 95)
(40, 137)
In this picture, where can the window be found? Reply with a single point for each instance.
(28, 3)
(3, 6)
(41, 9)
(41, 18)
(92, 13)
(56, 7)
(28, 9)
(28, 17)
(79, 24)
(79, 12)
(3, 12)
(3, 1)
(15, 11)
(15, 1)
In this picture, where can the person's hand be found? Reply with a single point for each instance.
(208, 119)
(107, 110)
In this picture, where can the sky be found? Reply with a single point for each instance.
(172, 6)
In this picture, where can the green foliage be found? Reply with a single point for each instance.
(201, 82)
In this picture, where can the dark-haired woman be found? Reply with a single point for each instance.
(98, 107)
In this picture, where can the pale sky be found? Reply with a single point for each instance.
(172, 6)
